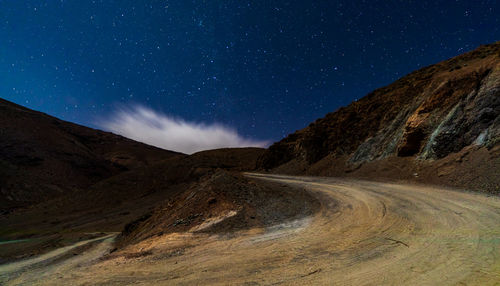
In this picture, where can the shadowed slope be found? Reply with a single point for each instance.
(42, 156)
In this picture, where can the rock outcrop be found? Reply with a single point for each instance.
(426, 115)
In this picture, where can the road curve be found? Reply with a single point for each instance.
(381, 233)
(364, 233)
(41, 266)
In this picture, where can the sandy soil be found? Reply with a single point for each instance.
(56, 261)
(365, 233)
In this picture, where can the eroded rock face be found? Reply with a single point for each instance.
(440, 122)
(427, 114)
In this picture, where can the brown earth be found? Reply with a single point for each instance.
(61, 183)
(221, 202)
(67, 191)
(426, 120)
(362, 233)
(108, 205)
(472, 168)
(42, 157)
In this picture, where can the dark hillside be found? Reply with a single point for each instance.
(42, 156)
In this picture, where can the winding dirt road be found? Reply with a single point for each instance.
(43, 267)
(365, 233)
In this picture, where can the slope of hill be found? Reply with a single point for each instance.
(42, 156)
(61, 182)
(442, 116)
(221, 202)
(438, 125)
(111, 203)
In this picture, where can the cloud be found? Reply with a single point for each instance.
(153, 128)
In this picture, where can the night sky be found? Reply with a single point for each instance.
(264, 68)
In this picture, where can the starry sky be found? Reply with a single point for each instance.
(264, 68)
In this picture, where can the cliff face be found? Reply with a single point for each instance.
(426, 115)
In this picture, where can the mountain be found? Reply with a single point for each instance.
(42, 156)
(61, 182)
(439, 124)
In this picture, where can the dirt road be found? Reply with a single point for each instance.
(365, 233)
(45, 266)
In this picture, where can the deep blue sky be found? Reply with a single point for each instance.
(265, 68)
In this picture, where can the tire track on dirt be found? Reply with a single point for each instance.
(42, 266)
(364, 233)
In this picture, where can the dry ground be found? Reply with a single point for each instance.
(364, 233)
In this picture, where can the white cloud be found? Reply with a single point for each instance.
(153, 128)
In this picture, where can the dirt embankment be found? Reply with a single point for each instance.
(221, 202)
(472, 168)
(111, 203)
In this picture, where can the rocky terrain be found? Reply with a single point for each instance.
(84, 205)
(351, 233)
(61, 182)
(434, 125)
(221, 202)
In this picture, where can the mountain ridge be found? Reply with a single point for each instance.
(428, 115)
(42, 156)
(61, 182)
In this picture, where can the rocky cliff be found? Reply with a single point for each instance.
(421, 118)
